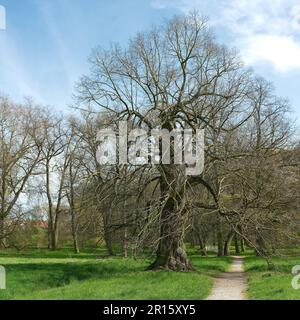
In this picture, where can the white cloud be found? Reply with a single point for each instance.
(264, 30)
(282, 52)
(295, 12)
(2, 18)
(13, 71)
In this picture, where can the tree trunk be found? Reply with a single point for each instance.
(53, 232)
(125, 233)
(193, 239)
(2, 234)
(124, 243)
(74, 233)
(261, 246)
(203, 250)
(107, 233)
(236, 245)
(242, 245)
(228, 243)
(171, 252)
(202, 245)
(219, 239)
(71, 199)
(75, 244)
(53, 244)
(108, 242)
(198, 237)
(49, 236)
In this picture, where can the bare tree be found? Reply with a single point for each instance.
(20, 153)
(175, 77)
(55, 165)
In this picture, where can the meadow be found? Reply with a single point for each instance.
(272, 283)
(42, 274)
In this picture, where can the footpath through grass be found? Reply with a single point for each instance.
(40, 274)
(265, 284)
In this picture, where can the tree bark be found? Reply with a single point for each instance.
(261, 246)
(242, 245)
(171, 252)
(228, 243)
(202, 244)
(74, 233)
(71, 199)
(220, 239)
(53, 244)
(198, 238)
(236, 245)
(2, 234)
(107, 233)
(124, 240)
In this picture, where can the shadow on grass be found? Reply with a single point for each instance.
(61, 274)
(23, 278)
(58, 254)
(32, 273)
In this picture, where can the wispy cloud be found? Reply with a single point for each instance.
(67, 65)
(264, 30)
(2, 18)
(281, 51)
(13, 70)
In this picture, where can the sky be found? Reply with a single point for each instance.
(46, 43)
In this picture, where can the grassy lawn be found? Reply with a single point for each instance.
(275, 284)
(40, 274)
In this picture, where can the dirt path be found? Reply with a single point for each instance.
(230, 285)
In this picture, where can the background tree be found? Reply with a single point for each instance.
(20, 153)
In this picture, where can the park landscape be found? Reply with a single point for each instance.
(41, 274)
(73, 227)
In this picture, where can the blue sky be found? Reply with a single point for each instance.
(45, 46)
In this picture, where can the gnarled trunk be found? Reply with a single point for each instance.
(171, 252)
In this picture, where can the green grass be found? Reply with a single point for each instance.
(41, 274)
(265, 284)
